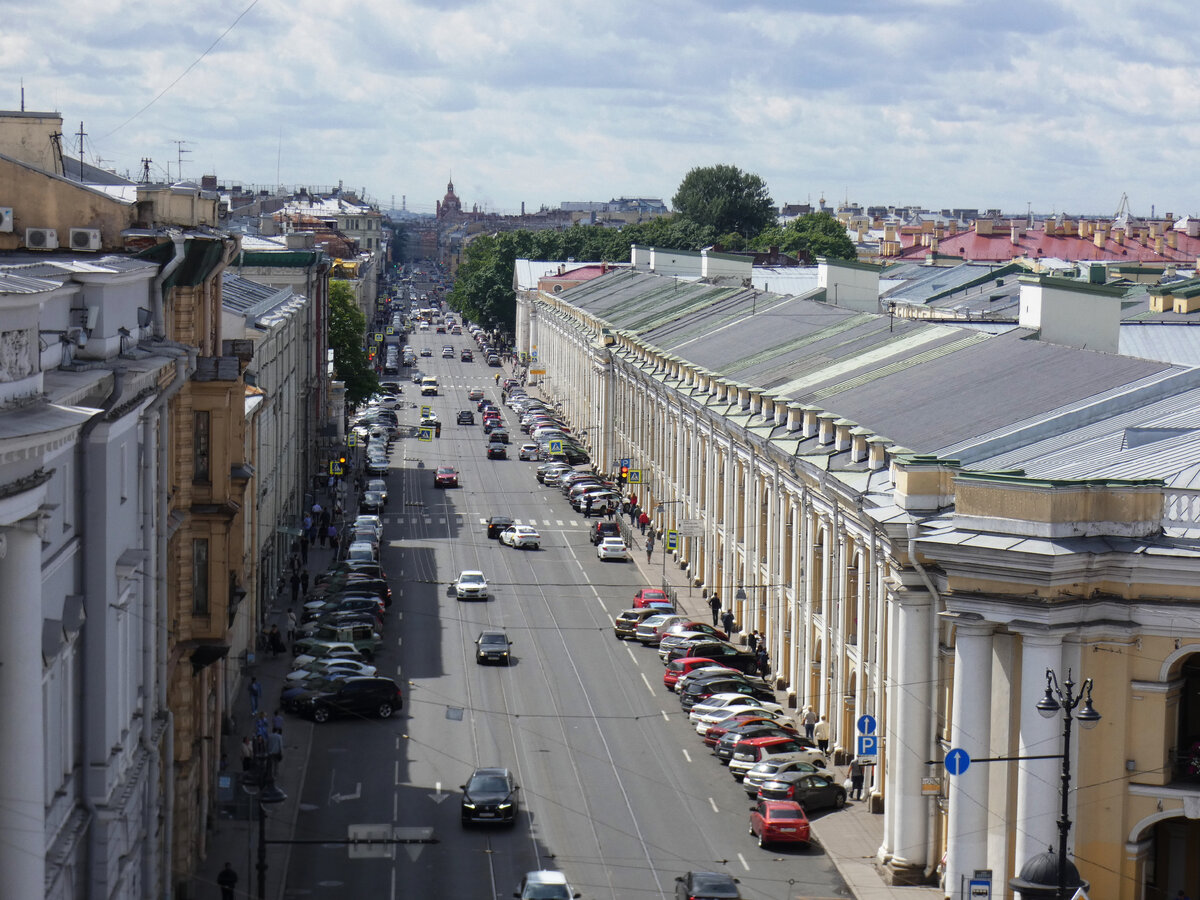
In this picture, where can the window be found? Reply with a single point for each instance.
(200, 577)
(201, 442)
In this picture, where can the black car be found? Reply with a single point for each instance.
(601, 530)
(497, 451)
(466, 417)
(467, 356)
(698, 692)
(293, 690)
(357, 584)
(497, 524)
(490, 795)
(725, 654)
(352, 697)
(372, 502)
(359, 566)
(812, 790)
(498, 434)
(492, 646)
(706, 886)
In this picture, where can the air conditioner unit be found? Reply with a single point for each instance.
(6, 218)
(85, 238)
(41, 238)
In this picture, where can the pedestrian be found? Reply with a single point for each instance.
(822, 734)
(261, 729)
(255, 691)
(307, 525)
(291, 625)
(322, 534)
(333, 536)
(275, 745)
(587, 506)
(303, 551)
(611, 511)
(727, 621)
(247, 754)
(227, 880)
(752, 641)
(633, 500)
(295, 587)
(809, 721)
(856, 780)
(277, 645)
(764, 661)
(714, 603)
(277, 720)
(643, 521)
(304, 582)
(649, 547)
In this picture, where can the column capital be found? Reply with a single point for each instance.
(968, 623)
(1034, 634)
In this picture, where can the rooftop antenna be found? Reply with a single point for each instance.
(81, 134)
(179, 151)
(22, 95)
(145, 179)
(278, 157)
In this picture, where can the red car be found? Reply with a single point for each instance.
(646, 596)
(677, 668)
(715, 732)
(445, 477)
(779, 822)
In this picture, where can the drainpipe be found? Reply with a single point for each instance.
(158, 318)
(935, 602)
(155, 620)
(93, 573)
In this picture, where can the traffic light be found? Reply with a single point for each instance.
(624, 476)
(342, 460)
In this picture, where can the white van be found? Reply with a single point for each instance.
(429, 386)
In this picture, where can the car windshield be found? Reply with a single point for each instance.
(471, 578)
(776, 814)
(492, 639)
(445, 470)
(546, 892)
(492, 784)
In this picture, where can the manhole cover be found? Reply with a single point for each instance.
(454, 713)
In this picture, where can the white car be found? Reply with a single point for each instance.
(612, 548)
(545, 884)
(528, 451)
(372, 522)
(475, 394)
(471, 585)
(523, 537)
(328, 650)
(740, 709)
(321, 667)
(380, 487)
(722, 701)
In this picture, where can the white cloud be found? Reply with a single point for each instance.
(941, 102)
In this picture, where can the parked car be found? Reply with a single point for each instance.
(725, 654)
(372, 502)
(779, 822)
(446, 476)
(471, 585)
(327, 651)
(750, 751)
(490, 795)
(380, 487)
(812, 790)
(625, 623)
(676, 669)
(521, 536)
(612, 548)
(649, 630)
(698, 691)
(362, 637)
(352, 697)
(600, 530)
(646, 596)
(320, 667)
(492, 646)
(528, 451)
(776, 771)
(734, 736)
(706, 886)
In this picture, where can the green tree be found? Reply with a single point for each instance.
(821, 234)
(725, 198)
(347, 334)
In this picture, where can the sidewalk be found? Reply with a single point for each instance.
(850, 836)
(235, 840)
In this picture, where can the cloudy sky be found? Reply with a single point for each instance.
(1062, 105)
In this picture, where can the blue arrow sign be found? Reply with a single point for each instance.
(866, 724)
(957, 761)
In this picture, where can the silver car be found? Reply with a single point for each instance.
(771, 770)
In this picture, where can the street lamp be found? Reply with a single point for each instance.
(267, 792)
(1065, 699)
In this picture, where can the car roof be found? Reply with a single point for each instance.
(465, 572)
(490, 770)
(545, 876)
(493, 634)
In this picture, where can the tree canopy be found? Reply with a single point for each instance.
(725, 199)
(347, 333)
(812, 235)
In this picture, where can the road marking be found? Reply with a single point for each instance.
(397, 776)
(558, 522)
(399, 641)
(666, 718)
(745, 865)
(630, 652)
(646, 681)
(395, 805)
(686, 755)
(713, 804)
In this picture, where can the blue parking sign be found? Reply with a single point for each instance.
(868, 745)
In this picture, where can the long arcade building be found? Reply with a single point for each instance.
(922, 520)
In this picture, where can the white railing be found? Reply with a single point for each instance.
(1181, 508)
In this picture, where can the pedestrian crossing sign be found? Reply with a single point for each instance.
(378, 338)
(635, 476)
(425, 434)
(390, 330)
(556, 447)
(335, 468)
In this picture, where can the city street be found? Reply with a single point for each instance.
(616, 790)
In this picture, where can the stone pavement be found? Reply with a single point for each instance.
(850, 836)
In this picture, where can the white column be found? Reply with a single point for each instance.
(970, 731)
(907, 736)
(1037, 779)
(22, 756)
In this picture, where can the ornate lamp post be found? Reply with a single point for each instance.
(1065, 700)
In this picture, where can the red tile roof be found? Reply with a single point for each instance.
(998, 247)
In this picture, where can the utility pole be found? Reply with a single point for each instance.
(179, 159)
(81, 134)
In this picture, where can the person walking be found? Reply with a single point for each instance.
(291, 625)
(332, 532)
(856, 779)
(809, 721)
(764, 661)
(714, 603)
(821, 732)
(247, 754)
(295, 587)
(649, 547)
(587, 506)
(277, 720)
(275, 746)
(752, 642)
(255, 691)
(643, 521)
(227, 881)
(304, 582)
(727, 621)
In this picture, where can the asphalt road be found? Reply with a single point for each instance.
(616, 789)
